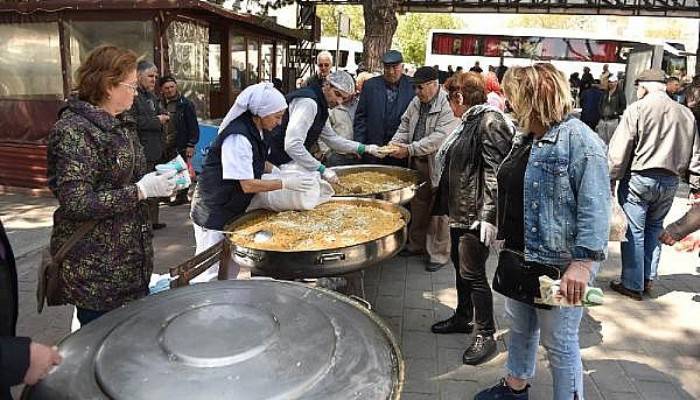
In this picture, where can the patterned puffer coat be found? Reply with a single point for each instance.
(90, 157)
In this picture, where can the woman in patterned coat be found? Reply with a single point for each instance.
(96, 171)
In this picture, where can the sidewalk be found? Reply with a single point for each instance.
(632, 350)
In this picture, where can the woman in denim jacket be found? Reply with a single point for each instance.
(554, 206)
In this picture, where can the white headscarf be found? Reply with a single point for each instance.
(261, 99)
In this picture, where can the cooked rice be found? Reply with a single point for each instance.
(330, 225)
(368, 182)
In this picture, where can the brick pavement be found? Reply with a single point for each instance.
(631, 350)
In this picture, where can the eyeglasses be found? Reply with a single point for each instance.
(324, 65)
(133, 87)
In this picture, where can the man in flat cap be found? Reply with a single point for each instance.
(383, 101)
(306, 122)
(424, 126)
(656, 143)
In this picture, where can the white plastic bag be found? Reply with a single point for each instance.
(285, 199)
(618, 223)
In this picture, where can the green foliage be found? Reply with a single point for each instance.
(329, 20)
(550, 21)
(412, 34)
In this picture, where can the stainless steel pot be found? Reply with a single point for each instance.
(398, 196)
(257, 339)
(320, 263)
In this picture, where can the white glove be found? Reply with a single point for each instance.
(154, 185)
(373, 149)
(299, 183)
(487, 232)
(330, 176)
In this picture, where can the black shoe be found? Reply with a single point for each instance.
(158, 226)
(482, 348)
(454, 324)
(434, 267)
(502, 392)
(620, 288)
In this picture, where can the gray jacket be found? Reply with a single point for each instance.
(440, 123)
(655, 132)
(145, 110)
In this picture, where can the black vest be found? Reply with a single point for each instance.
(217, 201)
(278, 155)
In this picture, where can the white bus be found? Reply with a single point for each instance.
(569, 51)
(350, 52)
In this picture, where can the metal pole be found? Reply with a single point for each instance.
(337, 44)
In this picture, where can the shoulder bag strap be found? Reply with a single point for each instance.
(82, 230)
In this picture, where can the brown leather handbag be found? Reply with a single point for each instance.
(49, 287)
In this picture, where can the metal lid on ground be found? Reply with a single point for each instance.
(231, 339)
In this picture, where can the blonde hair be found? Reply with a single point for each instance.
(362, 77)
(538, 93)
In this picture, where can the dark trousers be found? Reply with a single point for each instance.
(86, 316)
(7, 301)
(474, 297)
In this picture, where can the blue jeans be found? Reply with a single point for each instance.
(646, 198)
(558, 330)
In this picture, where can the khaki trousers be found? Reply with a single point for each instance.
(427, 233)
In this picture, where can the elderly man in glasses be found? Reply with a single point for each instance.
(324, 62)
(306, 122)
(424, 126)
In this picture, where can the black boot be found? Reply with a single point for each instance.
(482, 348)
(454, 324)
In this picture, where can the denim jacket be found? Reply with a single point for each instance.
(567, 196)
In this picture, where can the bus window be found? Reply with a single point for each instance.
(552, 49)
(359, 57)
(578, 50)
(602, 51)
(496, 46)
(461, 45)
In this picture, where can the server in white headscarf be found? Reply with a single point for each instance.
(307, 122)
(237, 159)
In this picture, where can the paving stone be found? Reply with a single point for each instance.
(393, 288)
(389, 306)
(417, 396)
(419, 282)
(418, 320)
(655, 390)
(418, 344)
(421, 368)
(421, 299)
(643, 372)
(395, 324)
(453, 341)
(540, 391)
(609, 376)
(621, 396)
(458, 390)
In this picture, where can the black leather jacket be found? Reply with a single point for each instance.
(470, 175)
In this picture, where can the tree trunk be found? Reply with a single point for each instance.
(380, 26)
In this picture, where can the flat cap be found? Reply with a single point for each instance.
(341, 80)
(424, 74)
(651, 75)
(392, 57)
